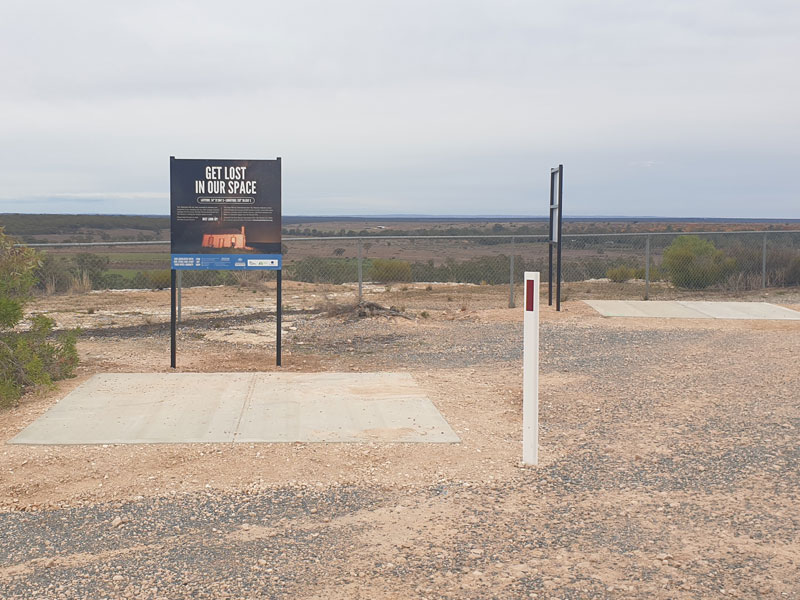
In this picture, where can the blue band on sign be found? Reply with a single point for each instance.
(224, 262)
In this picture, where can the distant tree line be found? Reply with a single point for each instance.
(20, 225)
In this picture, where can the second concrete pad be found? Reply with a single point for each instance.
(686, 309)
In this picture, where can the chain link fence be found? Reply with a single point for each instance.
(650, 265)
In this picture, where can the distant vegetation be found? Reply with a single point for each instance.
(85, 228)
(31, 228)
(686, 262)
(538, 227)
(693, 262)
(471, 230)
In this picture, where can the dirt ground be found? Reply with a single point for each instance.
(669, 458)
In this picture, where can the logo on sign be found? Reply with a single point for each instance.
(260, 262)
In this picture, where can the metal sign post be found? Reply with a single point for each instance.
(278, 316)
(556, 184)
(530, 371)
(225, 215)
(173, 320)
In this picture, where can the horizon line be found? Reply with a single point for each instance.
(438, 216)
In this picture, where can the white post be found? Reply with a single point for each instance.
(530, 371)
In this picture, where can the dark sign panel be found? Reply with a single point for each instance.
(225, 214)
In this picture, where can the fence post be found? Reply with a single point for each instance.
(647, 268)
(764, 263)
(511, 277)
(178, 283)
(360, 272)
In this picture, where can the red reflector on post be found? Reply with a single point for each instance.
(529, 291)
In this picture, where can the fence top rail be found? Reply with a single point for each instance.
(416, 237)
(646, 233)
(430, 237)
(67, 244)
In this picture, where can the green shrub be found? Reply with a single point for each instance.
(315, 269)
(115, 281)
(17, 267)
(54, 273)
(621, 274)
(388, 270)
(153, 280)
(695, 263)
(94, 265)
(32, 357)
(427, 271)
(160, 279)
(655, 273)
(489, 269)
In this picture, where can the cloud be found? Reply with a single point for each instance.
(111, 196)
(363, 99)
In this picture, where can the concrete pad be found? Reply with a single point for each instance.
(693, 309)
(649, 309)
(142, 408)
(743, 310)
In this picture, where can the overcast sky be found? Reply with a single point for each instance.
(678, 108)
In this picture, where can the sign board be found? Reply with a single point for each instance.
(530, 371)
(225, 214)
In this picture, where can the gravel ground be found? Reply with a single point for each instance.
(670, 468)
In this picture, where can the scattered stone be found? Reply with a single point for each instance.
(664, 556)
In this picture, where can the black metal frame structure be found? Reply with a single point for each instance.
(173, 327)
(556, 197)
(174, 292)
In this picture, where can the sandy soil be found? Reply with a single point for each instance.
(669, 458)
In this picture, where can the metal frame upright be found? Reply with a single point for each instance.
(209, 262)
(556, 197)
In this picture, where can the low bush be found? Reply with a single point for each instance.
(621, 274)
(389, 270)
(655, 273)
(54, 274)
(315, 269)
(115, 281)
(792, 276)
(152, 280)
(159, 279)
(32, 357)
(91, 266)
(694, 263)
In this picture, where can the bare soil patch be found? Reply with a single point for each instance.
(669, 459)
